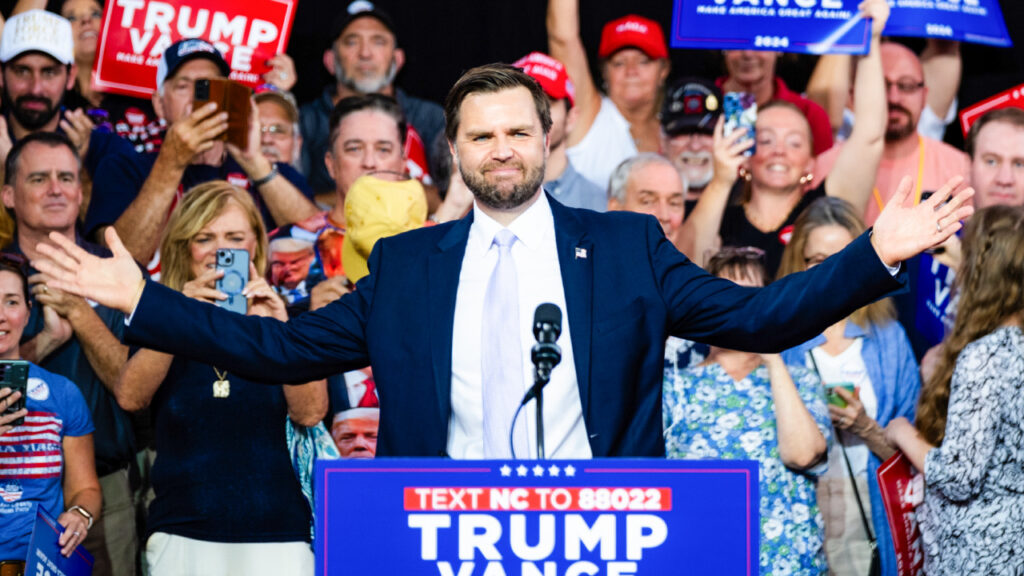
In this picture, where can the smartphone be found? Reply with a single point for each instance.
(235, 264)
(231, 97)
(835, 399)
(740, 110)
(14, 375)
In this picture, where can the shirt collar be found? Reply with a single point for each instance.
(531, 227)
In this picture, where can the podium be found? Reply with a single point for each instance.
(536, 518)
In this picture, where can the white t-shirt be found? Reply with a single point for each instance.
(849, 366)
(605, 146)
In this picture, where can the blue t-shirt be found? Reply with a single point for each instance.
(120, 177)
(223, 472)
(32, 457)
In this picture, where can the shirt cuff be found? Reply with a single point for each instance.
(893, 270)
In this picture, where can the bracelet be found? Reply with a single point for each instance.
(270, 176)
(85, 514)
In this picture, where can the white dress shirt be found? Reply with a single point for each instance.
(540, 280)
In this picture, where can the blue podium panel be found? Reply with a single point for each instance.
(536, 518)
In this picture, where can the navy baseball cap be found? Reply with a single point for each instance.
(691, 105)
(360, 9)
(185, 50)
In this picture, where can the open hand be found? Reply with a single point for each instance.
(77, 125)
(904, 230)
(114, 281)
(878, 12)
(282, 73)
(194, 134)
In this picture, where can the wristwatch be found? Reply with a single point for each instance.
(85, 514)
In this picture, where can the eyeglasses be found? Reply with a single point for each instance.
(276, 131)
(905, 86)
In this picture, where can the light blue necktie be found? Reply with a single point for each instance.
(502, 355)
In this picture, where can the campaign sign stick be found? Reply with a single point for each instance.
(978, 21)
(136, 32)
(529, 518)
(902, 490)
(44, 557)
(805, 26)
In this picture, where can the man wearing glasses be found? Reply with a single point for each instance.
(928, 162)
(280, 140)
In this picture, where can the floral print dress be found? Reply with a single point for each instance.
(708, 415)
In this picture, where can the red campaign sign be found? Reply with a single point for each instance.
(136, 32)
(902, 490)
(1014, 97)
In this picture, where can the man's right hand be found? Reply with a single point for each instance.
(194, 134)
(328, 291)
(114, 282)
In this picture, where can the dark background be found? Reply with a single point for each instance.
(442, 38)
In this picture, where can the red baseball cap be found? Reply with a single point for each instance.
(632, 31)
(550, 74)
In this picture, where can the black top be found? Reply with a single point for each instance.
(736, 230)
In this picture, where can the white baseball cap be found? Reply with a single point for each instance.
(37, 31)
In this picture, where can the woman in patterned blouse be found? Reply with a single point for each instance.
(744, 406)
(969, 440)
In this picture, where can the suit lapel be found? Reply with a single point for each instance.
(575, 259)
(443, 284)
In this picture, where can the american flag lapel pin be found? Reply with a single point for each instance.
(581, 253)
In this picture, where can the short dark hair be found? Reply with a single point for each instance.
(48, 139)
(488, 79)
(739, 262)
(367, 102)
(1013, 116)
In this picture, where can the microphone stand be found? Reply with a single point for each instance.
(545, 356)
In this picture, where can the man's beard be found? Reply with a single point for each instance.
(697, 177)
(366, 85)
(32, 120)
(490, 194)
(901, 132)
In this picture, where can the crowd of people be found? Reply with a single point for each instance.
(843, 316)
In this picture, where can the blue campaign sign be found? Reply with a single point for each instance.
(934, 293)
(979, 21)
(806, 26)
(44, 557)
(536, 518)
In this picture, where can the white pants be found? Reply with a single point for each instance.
(170, 555)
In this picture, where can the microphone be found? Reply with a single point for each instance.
(547, 326)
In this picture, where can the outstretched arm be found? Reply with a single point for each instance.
(565, 45)
(853, 176)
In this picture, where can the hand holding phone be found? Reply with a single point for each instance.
(235, 264)
(14, 375)
(231, 97)
(834, 398)
(740, 112)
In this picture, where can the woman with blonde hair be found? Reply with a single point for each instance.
(969, 439)
(227, 498)
(868, 353)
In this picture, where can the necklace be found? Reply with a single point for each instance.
(221, 386)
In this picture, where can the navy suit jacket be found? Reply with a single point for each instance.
(626, 289)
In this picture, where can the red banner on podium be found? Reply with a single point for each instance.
(136, 32)
(902, 490)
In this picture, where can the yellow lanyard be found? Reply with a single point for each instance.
(920, 177)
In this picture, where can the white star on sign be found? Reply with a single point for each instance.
(538, 470)
(553, 470)
(521, 470)
(570, 470)
(505, 470)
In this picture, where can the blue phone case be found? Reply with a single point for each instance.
(740, 110)
(235, 264)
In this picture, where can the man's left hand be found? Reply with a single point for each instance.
(78, 128)
(904, 230)
(251, 159)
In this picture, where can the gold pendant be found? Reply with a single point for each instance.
(221, 388)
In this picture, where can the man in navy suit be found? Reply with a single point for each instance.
(425, 317)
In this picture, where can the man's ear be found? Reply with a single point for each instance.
(7, 194)
(613, 204)
(329, 60)
(399, 57)
(330, 165)
(72, 76)
(158, 105)
(570, 120)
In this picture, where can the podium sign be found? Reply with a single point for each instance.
(536, 518)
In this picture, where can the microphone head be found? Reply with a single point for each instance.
(547, 316)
